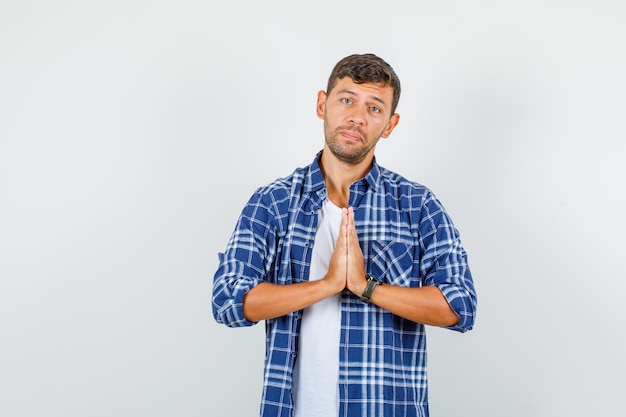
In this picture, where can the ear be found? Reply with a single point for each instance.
(321, 104)
(393, 122)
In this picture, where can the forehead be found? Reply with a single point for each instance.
(375, 91)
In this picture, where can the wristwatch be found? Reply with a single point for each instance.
(369, 289)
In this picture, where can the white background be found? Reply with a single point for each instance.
(133, 132)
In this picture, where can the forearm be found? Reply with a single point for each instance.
(425, 305)
(267, 301)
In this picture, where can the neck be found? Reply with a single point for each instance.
(339, 176)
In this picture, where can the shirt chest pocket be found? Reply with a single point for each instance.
(392, 262)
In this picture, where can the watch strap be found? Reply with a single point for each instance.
(369, 288)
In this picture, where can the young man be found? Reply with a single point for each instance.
(346, 262)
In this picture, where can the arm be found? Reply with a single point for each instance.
(246, 261)
(426, 305)
(241, 295)
(266, 300)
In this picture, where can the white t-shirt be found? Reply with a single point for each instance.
(316, 371)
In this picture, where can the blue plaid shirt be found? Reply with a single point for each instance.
(407, 239)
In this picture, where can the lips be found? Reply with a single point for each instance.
(351, 135)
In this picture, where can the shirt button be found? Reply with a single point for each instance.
(294, 354)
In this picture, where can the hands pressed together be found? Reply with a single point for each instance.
(346, 268)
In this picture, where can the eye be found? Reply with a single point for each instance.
(346, 101)
(375, 109)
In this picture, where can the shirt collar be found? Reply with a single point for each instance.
(315, 179)
(373, 177)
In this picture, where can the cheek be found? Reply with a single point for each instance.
(386, 128)
(381, 128)
(334, 116)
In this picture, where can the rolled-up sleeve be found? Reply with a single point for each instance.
(244, 263)
(454, 279)
(445, 265)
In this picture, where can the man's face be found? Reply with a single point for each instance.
(355, 117)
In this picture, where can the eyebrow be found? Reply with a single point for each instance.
(375, 98)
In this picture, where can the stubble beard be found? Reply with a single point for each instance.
(352, 153)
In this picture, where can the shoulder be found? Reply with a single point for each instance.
(276, 195)
(418, 201)
(403, 188)
(283, 185)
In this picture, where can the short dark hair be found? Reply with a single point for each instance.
(366, 68)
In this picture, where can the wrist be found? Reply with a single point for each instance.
(370, 286)
(329, 285)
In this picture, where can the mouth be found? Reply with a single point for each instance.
(351, 135)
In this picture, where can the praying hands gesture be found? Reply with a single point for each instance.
(346, 268)
(425, 304)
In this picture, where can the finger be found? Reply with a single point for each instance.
(354, 246)
(351, 215)
(351, 225)
(346, 215)
(342, 227)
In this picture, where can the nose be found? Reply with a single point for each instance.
(357, 117)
